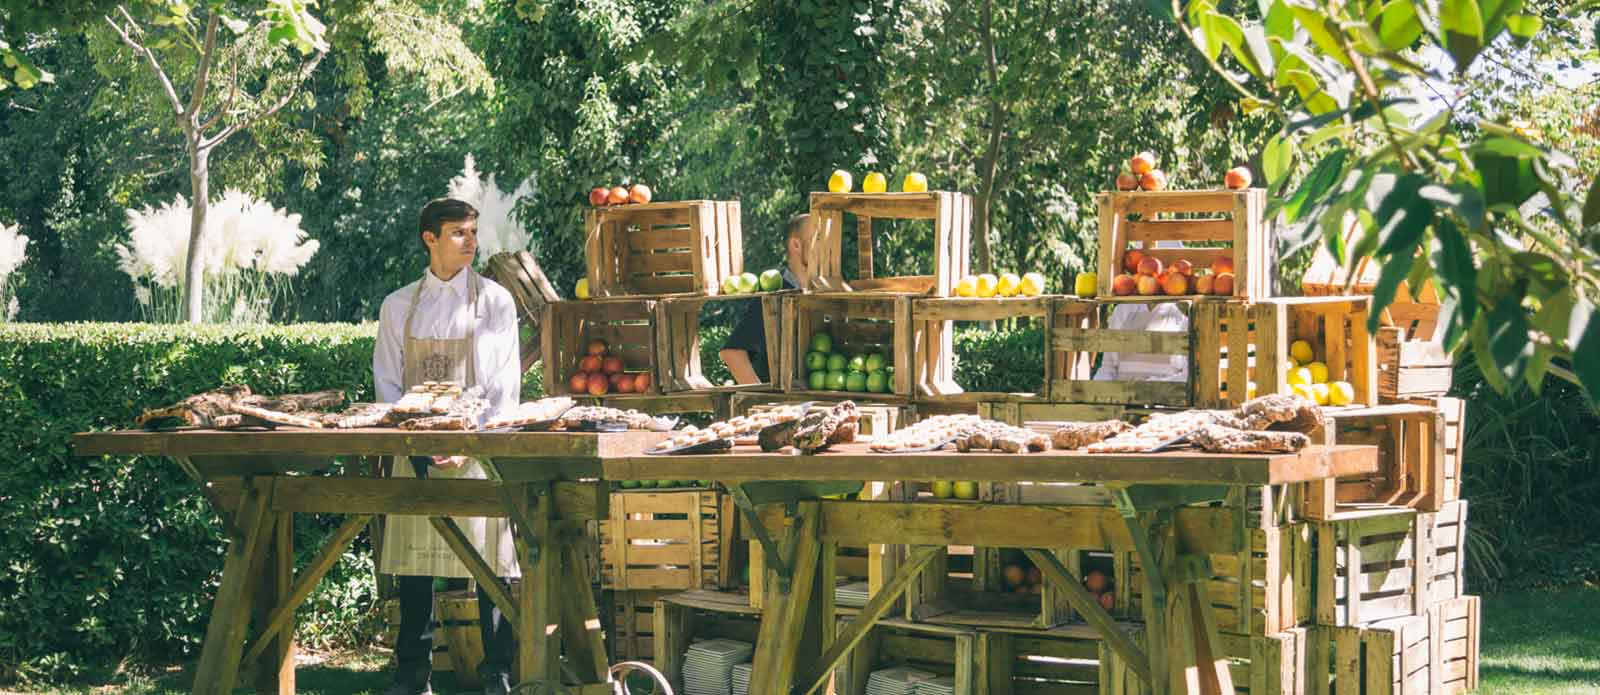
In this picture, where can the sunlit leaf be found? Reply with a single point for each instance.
(1321, 28)
(1462, 22)
(1316, 184)
(1455, 267)
(1508, 339)
(1399, 25)
(1524, 26)
(1591, 204)
(1277, 160)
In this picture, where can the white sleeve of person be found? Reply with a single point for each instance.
(1115, 366)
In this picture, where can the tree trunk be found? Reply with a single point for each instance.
(199, 201)
(983, 257)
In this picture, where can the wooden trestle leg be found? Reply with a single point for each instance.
(225, 632)
(791, 622)
(274, 673)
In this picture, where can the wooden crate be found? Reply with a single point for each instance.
(442, 661)
(942, 597)
(685, 246)
(866, 323)
(873, 563)
(667, 540)
(1017, 309)
(1389, 564)
(951, 214)
(1249, 342)
(1436, 653)
(1078, 335)
(633, 624)
(944, 651)
(1412, 368)
(1233, 223)
(1257, 593)
(627, 326)
(1411, 458)
(686, 617)
(1455, 443)
(1265, 665)
(678, 340)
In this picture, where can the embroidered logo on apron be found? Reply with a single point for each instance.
(436, 367)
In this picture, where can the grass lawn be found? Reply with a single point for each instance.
(1533, 642)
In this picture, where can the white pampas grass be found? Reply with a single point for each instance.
(498, 229)
(13, 253)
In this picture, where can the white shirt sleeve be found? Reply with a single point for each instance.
(1122, 317)
(387, 361)
(499, 351)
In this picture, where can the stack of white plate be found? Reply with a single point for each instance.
(708, 666)
(854, 594)
(899, 680)
(741, 679)
(943, 685)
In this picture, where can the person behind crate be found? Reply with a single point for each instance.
(745, 350)
(1139, 316)
(450, 325)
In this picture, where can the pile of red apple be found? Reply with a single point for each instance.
(601, 196)
(600, 372)
(1145, 276)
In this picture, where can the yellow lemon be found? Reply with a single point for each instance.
(1300, 376)
(987, 284)
(1301, 352)
(943, 489)
(840, 182)
(582, 290)
(1341, 393)
(1086, 284)
(914, 182)
(967, 286)
(1319, 372)
(1008, 285)
(1032, 285)
(966, 489)
(874, 183)
(1249, 390)
(1319, 393)
(1303, 391)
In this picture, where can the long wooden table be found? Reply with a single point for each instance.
(546, 482)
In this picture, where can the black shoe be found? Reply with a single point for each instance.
(409, 689)
(497, 683)
(412, 678)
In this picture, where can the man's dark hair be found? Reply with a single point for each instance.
(441, 210)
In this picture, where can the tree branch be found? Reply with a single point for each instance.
(203, 71)
(155, 67)
(227, 105)
(300, 79)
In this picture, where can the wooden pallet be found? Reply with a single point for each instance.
(1436, 653)
(1233, 225)
(1389, 565)
(1249, 342)
(937, 649)
(950, 213)
(1411, 456)
(627, 325)
(667, 540)
(678, 340)
(1078, 335)
(1015, 309)
(866, 323)
(633, 624)
(686, 246)
(1263, 591)
(686, 617)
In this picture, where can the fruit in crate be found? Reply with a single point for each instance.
(1204, 284)
(1236, 178)
(1153, 181)
(817, 380)
(1182, 266)
(1222, 264)
(966, 489)
(1150, 265)
(874, 362)
(1007, 285)
(771, 279)
(816, 361)
(878, 381)
(612, 365)
(837, 362)
(1032, 285)
(1095, 581)
(590, 364)
(1127, 181)
(578, 382)
(837, 380)
(1223, 285)
(621, 383)
(914, 182)
(822, 342)
(581, 291)
(598, 195)
(1108, 600)
(840, 181)
(1299, 376)
(1149, 286)
(1131, 260)
(730, 284)
(1301, 352)
(639, 194)
(641, 382)
(1319, 393)
(1015, 575)
(875, 183)
(596, 347)
(855, 381)
(857, 363)
(748, 282)
(1175, 283)
(987, 285)
(1122, 285)
(1319, 372)
(1087, 284)
(617, 196)
(598, 384)
(967, 286)
(1142, 163)
(1341, 393)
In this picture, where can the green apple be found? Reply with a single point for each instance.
(647, 483)
(748, 283)
(817, 379)
(855, 381)
(875, 362)
(730, 285)
(629, 484)
(858, 364)
(942, 489)
(878, 382)
(836, 381)
(836, 362)
(771, 280)
(821, 342)
(816, 361)
(666, 483)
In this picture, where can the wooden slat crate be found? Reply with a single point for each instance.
(666, 540)
(1063, 660)
(1411, 368)
(457, 643)
(1018, 310)
(1078, 335)
(1389, 565)
(868, 323)
(627, 326)
(950, 213)
(1257, 593)
(678, 340)
(944, 651)
(873, 563)
(943, 597)
(1234, 225)
(633, 624)
(1435, 653)
(1249, 342)
(1264, 665)
(1455, 443)
(1413, 470)
(686, 617)
(521, 275)
(685, 246)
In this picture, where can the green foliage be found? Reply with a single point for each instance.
(113, 558)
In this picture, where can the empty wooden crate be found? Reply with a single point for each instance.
(1388, 565)
(678, 336)
(686, 246)
(950, 214)
(666, 540)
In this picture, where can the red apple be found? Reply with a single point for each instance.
(597, 347)
(640, 194)
(1150, 266)
(621, 383)
(612, 365)
(1124, 285)
(1153, 180)
(641, 382)
(1130, 260)
(1108, 600)
(1127, 181)
(1237, 178)
(1095, 581)
(589, 364)
(1182, 266)
(597, 384)
(578, 382)
(1149, 286)
(1222, 264)
(598, 195)
(618, 196)
(1223, 285)
(1142, 163)
(1202, 284)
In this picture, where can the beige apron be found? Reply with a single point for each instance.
(411, 546)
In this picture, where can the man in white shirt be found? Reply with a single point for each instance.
(1166, 316)
(451, 325)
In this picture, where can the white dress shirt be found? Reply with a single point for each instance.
(1116, 366)
(444, 312)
